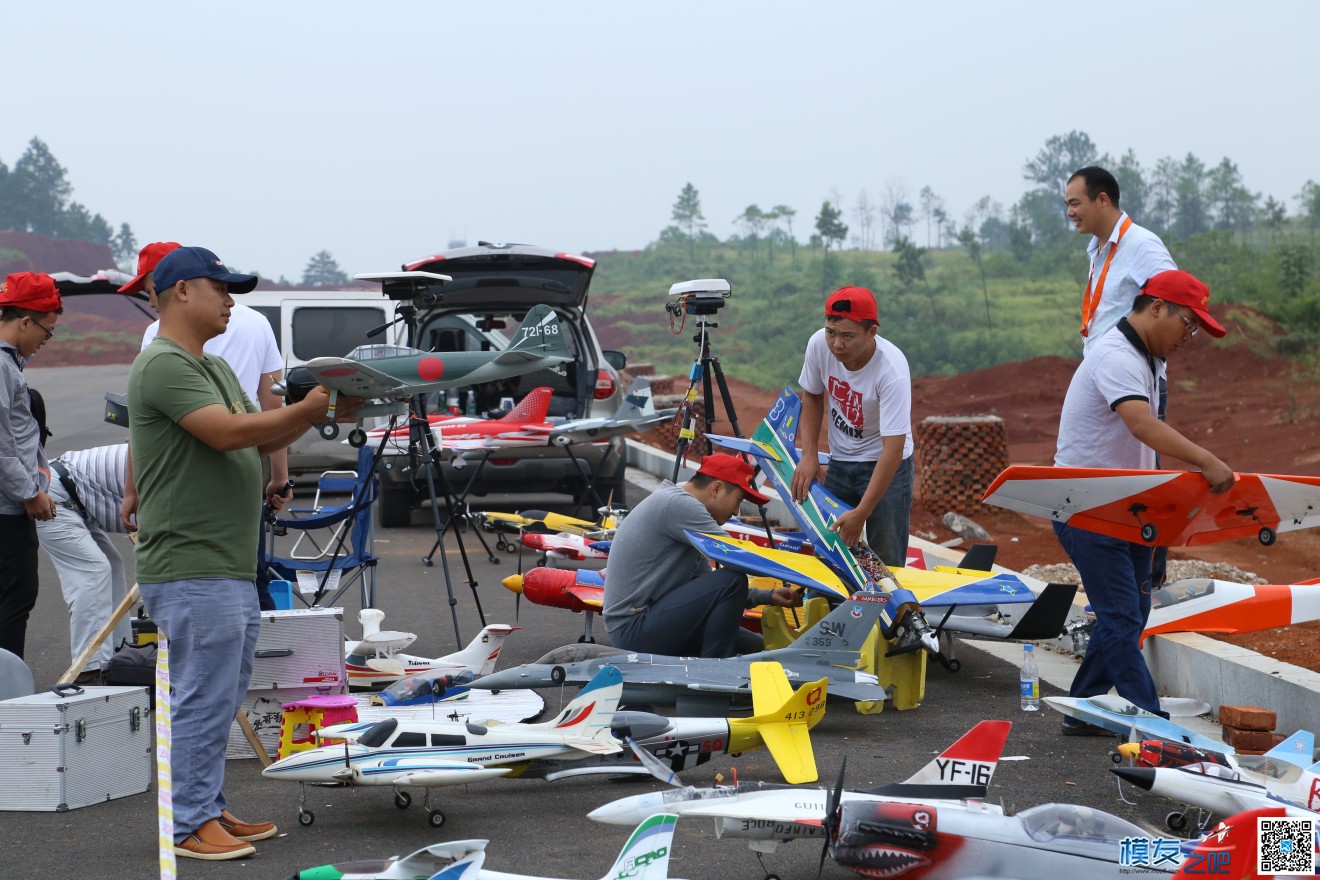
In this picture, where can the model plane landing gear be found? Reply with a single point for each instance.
(1148, 531)
(402, 800)
(1176, 821)
(1267, 536)
(435, 819)
(306, 817)
(357, 438)
(328, 431)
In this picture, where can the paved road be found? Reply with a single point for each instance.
(534, 826)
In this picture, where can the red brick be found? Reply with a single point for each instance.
(1247, 717)
(1251, 739)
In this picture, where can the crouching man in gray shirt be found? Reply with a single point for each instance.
(660, 595)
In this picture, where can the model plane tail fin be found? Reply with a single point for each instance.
(540, 334)
(962, 771)
(532, 408)
(843, 629)
(1297, 749)
(646, 854)
(1234, 845)
(482, 652)
(591, 711)
(638, 403)
(1047, 616)
(781, 719)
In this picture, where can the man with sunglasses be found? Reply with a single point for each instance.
(1110, 419)
(30, 307)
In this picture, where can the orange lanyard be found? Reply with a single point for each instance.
(1092, 297)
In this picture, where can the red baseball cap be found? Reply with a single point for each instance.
(855, 303)
(32, 291)
(1185, 289)
(732, 470)
(148, 257)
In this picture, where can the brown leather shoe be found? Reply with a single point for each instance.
(246, 830)
(213, 843)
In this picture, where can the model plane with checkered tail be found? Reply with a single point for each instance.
(773, 446)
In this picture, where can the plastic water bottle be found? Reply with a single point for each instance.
(471, 408)
(1029, 681)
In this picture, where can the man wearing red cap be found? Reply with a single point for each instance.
(870, 425)
(660, 595)
(1110, 419)
(30, 307)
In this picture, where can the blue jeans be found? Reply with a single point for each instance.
(697, 619)
(887, 527)
(212, 626)
(1116, 576)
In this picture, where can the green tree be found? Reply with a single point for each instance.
(687, 214)
(932, 209)
(1162, 196)
(124, 246)
(968, 240)
(78, 223)
(831, 229)
(910, 267)
(1190, 214)
(322, 270)
(39, 190)
(785, 213)
(1133, 190)
(1058, 159)
(1308, 203)
(754, 221)
(1233, 205)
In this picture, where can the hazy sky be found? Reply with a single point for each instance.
(378, 131)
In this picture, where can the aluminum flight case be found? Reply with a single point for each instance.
(81, 746)
(300, 653)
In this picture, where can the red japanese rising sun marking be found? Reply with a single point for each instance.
(430, 369)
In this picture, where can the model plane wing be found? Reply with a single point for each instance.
(355, 378)
(1163, 508)
(786, 736)
(749, 558)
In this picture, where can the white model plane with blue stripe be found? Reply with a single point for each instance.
(403, 752)
(644, 857)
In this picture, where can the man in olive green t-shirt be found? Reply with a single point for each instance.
(196, 440)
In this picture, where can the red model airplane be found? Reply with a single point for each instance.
(524, 425)
(1164, 508)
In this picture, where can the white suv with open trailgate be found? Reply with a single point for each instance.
(493, 286)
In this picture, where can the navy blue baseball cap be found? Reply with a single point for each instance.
(187, 263)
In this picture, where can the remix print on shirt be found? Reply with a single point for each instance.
(846, 407)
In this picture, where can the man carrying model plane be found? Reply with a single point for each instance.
(1110, 420)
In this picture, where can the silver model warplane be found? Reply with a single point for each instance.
(831, 649)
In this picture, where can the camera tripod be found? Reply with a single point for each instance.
(424, 454)
(703, 367)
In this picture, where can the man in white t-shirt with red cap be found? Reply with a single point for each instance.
(869, 390)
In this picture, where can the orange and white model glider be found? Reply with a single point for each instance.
(1207, 605)
(1162, 508)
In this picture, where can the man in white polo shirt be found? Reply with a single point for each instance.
(1110, 420)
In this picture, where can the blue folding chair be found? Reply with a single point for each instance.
(352, 555)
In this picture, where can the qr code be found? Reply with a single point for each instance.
(1287, 846)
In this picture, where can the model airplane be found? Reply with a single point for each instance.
(780, 722)
(1164, 508)
(644, 857)
(402, 753)
(389, 375)
(1224, 790)
(767, 815)
(520, 426)
(958, 597)
(564, 546)
(376, 658)
(773, 445)
(637, 414)
(1207, 605)
(1124, 719)
(832, 649)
